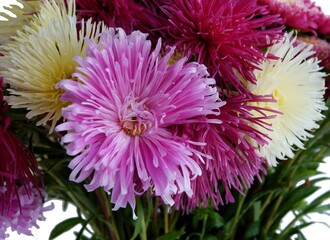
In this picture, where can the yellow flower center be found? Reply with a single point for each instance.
(137, 118)
(291, 2)
(133, 127)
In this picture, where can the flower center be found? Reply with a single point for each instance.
(136, 119)
(133, 127)
(288, 1)
(279, 97)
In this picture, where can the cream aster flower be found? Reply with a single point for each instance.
(297, 84)
(24, 13)
(42, 55)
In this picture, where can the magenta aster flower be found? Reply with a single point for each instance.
(17, 165)
(301, 14)
(235, 160)
(26, 208)
(324, 25)
(227, 36)
(126, 14)
(125, 99)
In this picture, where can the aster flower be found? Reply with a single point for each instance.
(226, 36)
(235, 161)
(23, 15)
(300, 14)
(324, 24)
(17, 165)
(121, 107)
(297, 85)
(41, 56)
(127, 14)
(322, 52)
(26, 208)
(321, 48)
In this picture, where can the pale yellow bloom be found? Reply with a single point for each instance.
(42, 55)
(19, 18)
(297, 84)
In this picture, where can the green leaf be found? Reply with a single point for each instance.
(322, 209)
(302, 175)
(215, 220)
(210, 237)
(252, 230)
(138, 221)
(172, 235)
(289, 232)
(80, 235)
(65, 226)
(256, 210)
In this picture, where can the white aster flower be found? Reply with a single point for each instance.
(297, 84)
(41, 55)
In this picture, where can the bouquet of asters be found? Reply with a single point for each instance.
(164, 119)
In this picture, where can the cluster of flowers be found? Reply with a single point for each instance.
(175, 98)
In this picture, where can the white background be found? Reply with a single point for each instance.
(314, 232)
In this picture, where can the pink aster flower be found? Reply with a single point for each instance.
(18, 165)
(300, 14)
(321, 48)
(26, 208)
(235, 160)
(226, 36)
(122, 105)
(322, 52)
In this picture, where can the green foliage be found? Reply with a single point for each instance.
(65, 226)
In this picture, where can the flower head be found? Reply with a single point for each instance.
(26, 208)
(126, 14)
(22, 16)
(226, 36)
(297, 84)
(42, 55)
(321, 48)
(300, 14)
(234, 162)
(125, 99)
(324, 24)
(18, 165)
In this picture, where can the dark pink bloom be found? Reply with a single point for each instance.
(324, 24)
(126, 98)
(300, 14)
(235, 160)
(18, 165)
(225, 35)
(20, 197)
(27, 206)
(126, 14)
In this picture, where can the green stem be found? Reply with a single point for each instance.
(272, 214)
(173, 219)
(105, 207)
(166, 219)
(201, 237)
(266, 202)
(76, 203)
(143, 227)
(289, 226)
(233, 227)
